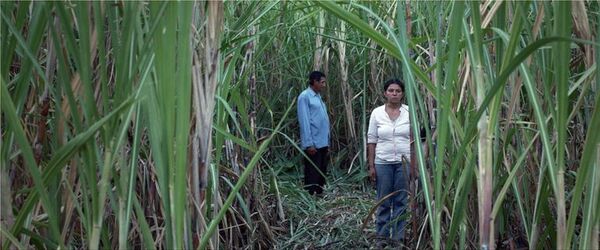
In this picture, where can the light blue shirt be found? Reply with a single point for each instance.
(313, 119)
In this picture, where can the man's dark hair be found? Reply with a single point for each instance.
(387, 84)
(315, 76)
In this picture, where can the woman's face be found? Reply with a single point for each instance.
(394, 93)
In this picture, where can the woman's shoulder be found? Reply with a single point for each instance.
(379, 109)
(378, 112)
(405, 107)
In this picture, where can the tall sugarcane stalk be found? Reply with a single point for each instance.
(347, 95)
(206, 75)
(562, 27)
(484, 146)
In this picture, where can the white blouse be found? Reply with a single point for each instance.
(392, 138)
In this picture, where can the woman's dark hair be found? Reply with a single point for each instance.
(315, 76)
(387, 84)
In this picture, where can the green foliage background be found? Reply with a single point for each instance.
(172, 124)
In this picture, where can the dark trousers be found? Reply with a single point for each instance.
(314, 178)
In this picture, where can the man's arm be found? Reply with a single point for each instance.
(304, 121)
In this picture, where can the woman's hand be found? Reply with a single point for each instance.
(372, 172)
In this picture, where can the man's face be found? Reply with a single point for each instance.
(319, 85)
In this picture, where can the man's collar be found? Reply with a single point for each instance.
(313, 91)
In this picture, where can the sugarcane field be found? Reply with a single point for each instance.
(279, 124)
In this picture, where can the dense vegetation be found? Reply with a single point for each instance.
(172, 125)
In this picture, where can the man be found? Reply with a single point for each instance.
(314, 133)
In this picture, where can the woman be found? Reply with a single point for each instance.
(388, 148)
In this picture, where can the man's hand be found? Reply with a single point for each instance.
(311, 150)
(372, 172)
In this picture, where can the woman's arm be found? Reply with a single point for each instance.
(371, 144)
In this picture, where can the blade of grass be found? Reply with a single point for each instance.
(561, 53)
(587, 164)
(9, 44)
(379, 38)
(58, 161)
(242, 180)
(443, 125)
(13, 123)
(144, 229)
(37, 25)
(11, 238)
(509, 179)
